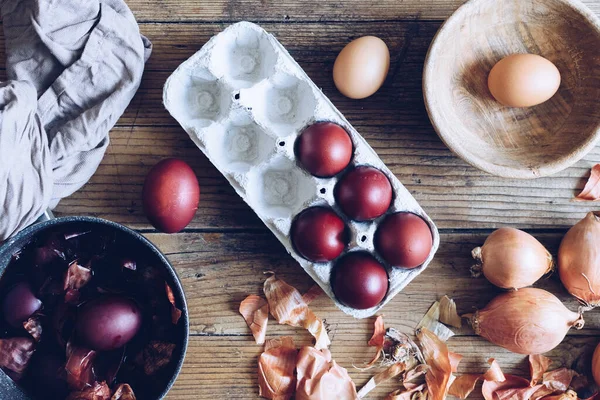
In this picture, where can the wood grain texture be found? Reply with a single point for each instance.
(393, 121)
(219, 269)
(226, 368)
(223, 253)
(291, 11)
(515, 142)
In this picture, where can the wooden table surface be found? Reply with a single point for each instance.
(220, 257)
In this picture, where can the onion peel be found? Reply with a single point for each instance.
(313, 293)
(448, 314)
(320, 377)
(559, 379)
(494, 373)
(288, 307)
(516, 393)
(255, 311)
(385, 375)
(412, 375)
(407, 394)
(463, 385)
(123, 392)
(489, 388)
(15, 354)
(79, 366)
(97, 391)
(378, 339)
(33, 326)
(568, 395)
(454, 360)
(591, 191)
(276, 366)
(431, 321)
(175, 312)
(437, 358)
(538, 365)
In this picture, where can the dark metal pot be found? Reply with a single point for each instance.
(8, 389)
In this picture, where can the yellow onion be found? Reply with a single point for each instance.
(526, 321)
(596, 365)
(512, 259)
(579, 260)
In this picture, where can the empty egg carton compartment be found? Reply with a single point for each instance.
(243, 60)
(281, 189)
(239, 143)
(284, 102)
(265, 101)
(202, 98)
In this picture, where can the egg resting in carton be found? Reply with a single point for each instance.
(243, 100)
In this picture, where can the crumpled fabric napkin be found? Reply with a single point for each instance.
(73, 67)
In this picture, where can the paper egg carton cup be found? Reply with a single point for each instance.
(244, 100)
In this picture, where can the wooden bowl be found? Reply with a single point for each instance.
(515, 142)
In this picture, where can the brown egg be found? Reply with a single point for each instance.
(404, 240)
(170, 196)
(324, 149)
(364, 193)
(359, 281)
(523, 80)
(107, 323)
(319, 234)
(361, 67)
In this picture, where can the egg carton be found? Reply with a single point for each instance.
(243, 100)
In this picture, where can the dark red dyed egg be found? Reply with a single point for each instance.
(108, 323)
(364, 193)
(319, 234)
(360, 281)
(324, 149)
(19, 304)
(404, 240)
(171, 195)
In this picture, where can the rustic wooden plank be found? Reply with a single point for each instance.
(296, 11)
(226, 368)
(219, 270)
(453, 193)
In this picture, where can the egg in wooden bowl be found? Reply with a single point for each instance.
(516, 142)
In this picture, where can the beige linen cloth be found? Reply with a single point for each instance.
(73, 67)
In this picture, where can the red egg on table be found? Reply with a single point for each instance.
(319, 234)
(108, 323)
(359, 281)
(364, 193)
(404, 240)
(324, 149)
(171, 195)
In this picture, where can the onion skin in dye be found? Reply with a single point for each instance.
(512, 259)
(579, 260)
(525, 321)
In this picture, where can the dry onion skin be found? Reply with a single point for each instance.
(512, 259)
(276, 365)
(526, 321)
(579, 260)
(437, 357)
(288, 307)
(591, 191)
(319, 377)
